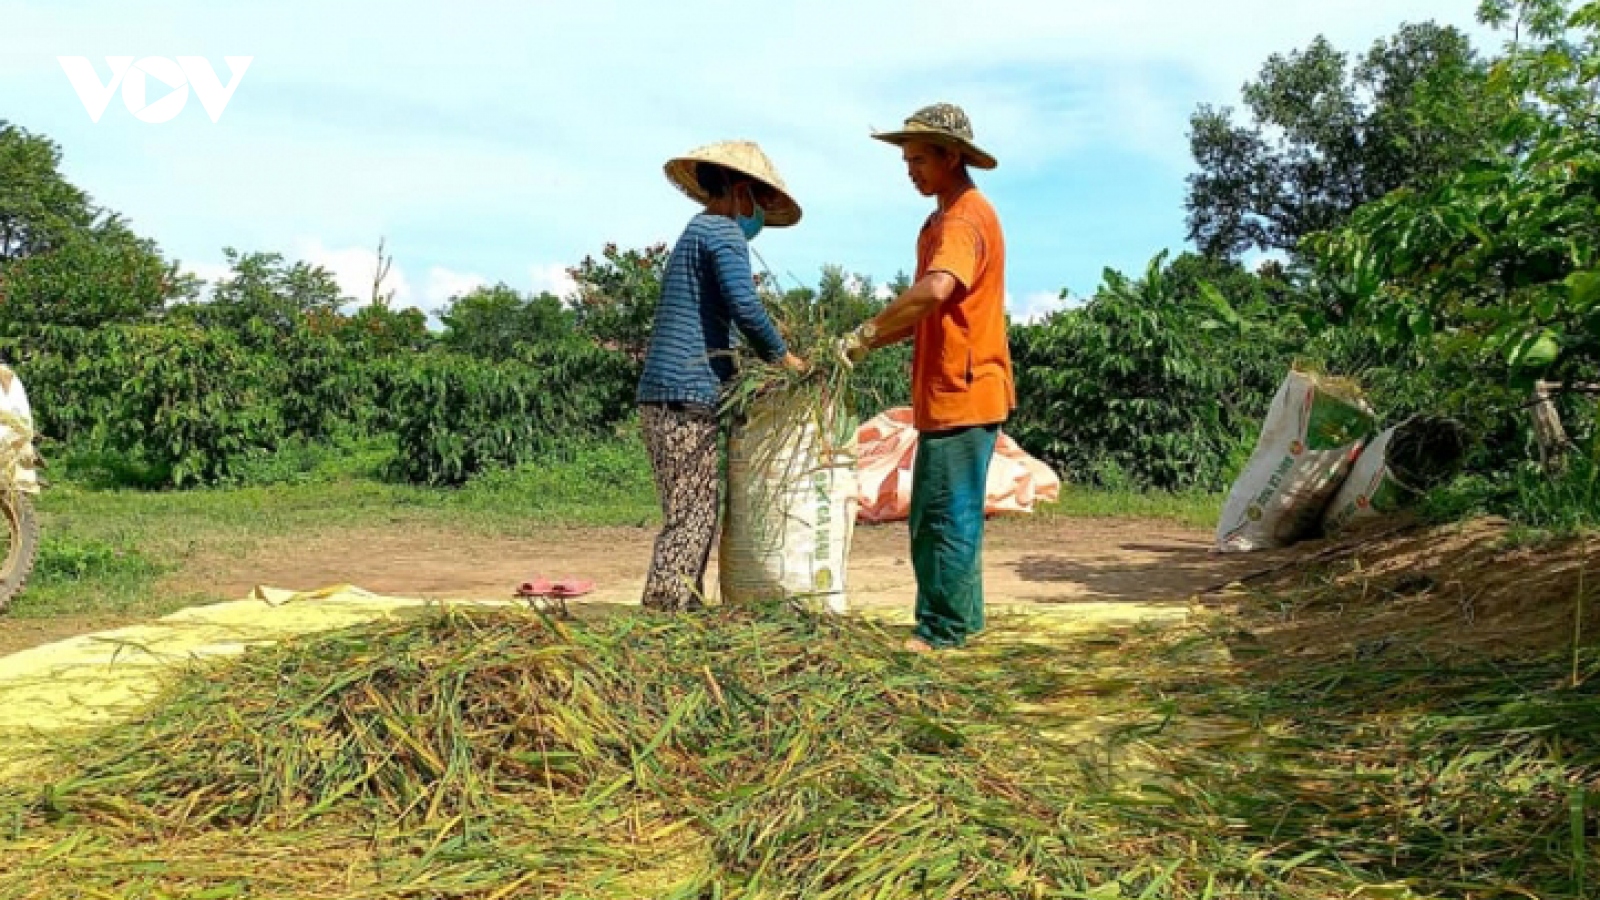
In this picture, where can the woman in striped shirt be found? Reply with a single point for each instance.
(708, 289)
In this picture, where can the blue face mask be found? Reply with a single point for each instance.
(751, 225)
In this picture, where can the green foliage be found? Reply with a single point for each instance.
(1565, 504)
(1326, 137)
(596, 481)
(494, 322)
(457, 416)
(811, 319)
(87, 280)
(1541, 19)
(265, 298)
(1154, 383)
(1502, 262)
(63, 559)
(177, 404)
(385, 331)
(39, 209)
(300, 460)
(615, 302)
(63, 261)
(883, 379)
(188, 401)
(1490, 279)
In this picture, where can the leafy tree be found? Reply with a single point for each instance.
(387, 331)
(268, 297)
(88, 279)
(379, 327)
(615, 303)
(1491, 277)
(63, 261)
(1547, 75)
(492, 322)
(1325, 137)
(808, 316)
(39, 209)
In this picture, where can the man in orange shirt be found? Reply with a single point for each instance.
(961, 384)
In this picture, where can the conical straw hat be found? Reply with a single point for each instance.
(745, 157)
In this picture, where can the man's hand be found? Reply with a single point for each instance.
(795, 364)
(854, 347)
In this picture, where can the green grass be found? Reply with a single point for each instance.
(1195, 510)
(592, 484)
(105, 549)
(1540, 507)
(74, 575)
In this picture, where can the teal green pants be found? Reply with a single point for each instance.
(948, 484)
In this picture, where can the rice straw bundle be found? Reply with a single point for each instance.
(764, 753)
(480, 751)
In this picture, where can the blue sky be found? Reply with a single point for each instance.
(501, 142)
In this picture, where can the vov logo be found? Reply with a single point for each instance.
(134, 79)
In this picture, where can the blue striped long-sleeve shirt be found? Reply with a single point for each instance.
(708, 286)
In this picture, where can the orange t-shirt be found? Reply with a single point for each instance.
(961, 360)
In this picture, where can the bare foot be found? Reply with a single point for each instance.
(918, 645)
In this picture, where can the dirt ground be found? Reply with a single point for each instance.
(1454, 589)
(1029, 562)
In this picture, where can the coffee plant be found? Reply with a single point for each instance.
(189, 402)
(1147, 383)
(456, 416)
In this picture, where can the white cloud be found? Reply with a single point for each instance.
(444, 285)
(1037, 305)
(1148, 119)
(355, 269)
(555, 279)
(209, 272)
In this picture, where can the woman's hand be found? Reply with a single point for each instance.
(796, 364)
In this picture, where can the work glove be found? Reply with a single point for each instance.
(853, 347)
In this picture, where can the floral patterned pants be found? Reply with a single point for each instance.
(682, 441)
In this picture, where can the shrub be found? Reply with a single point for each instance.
(457, 416)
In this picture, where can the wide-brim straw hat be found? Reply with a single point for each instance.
(744, 157)
(942, 123)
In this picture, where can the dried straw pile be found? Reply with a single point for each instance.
(750, 754)
(770, 753)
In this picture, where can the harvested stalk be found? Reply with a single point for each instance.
(763, 753)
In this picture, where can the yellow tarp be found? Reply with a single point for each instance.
(1052, 618)
(95, 679)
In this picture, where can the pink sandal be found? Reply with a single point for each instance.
(538, 587)
(570, 588)
(562, 589)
